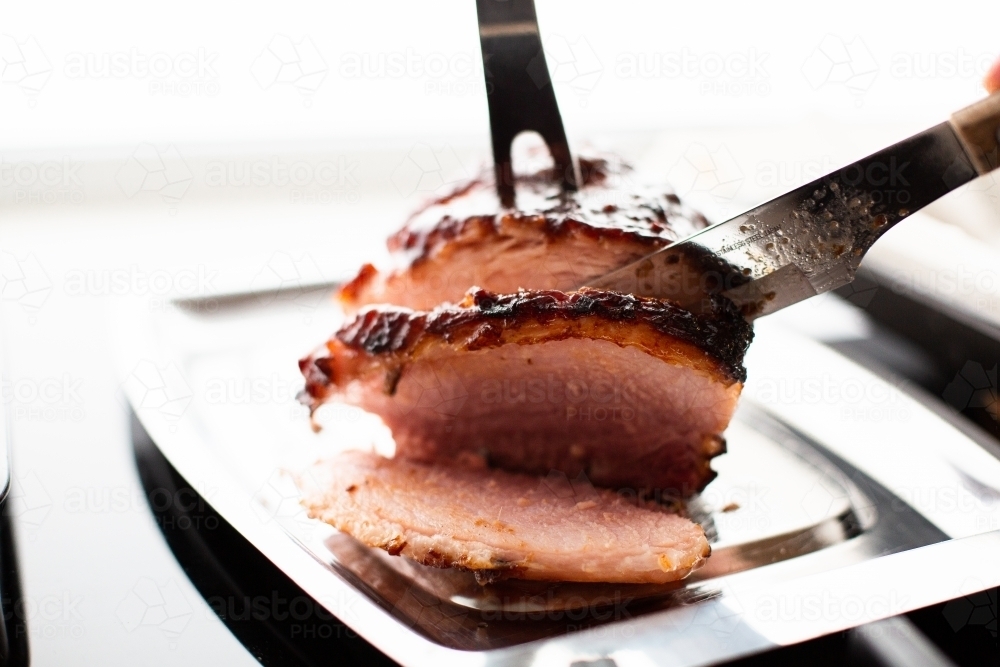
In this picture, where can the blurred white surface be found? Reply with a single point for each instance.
(98, 73)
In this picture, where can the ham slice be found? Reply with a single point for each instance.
(499, 524)
(551, 242)
(632, 392)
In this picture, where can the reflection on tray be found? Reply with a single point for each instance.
(785, 505)
(773, 501)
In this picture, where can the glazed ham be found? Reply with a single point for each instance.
(551, 242)
(497, 396)
(631, 392)
(498, 524)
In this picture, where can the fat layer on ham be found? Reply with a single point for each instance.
(500, 524)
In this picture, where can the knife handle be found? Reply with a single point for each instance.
(978, 128)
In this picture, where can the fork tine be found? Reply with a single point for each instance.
(519, 90)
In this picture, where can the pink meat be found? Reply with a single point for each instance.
(500, 524)
(592, 382)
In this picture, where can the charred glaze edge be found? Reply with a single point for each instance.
(653, 227)
(722, 332)
(351, 291)
(652, 223)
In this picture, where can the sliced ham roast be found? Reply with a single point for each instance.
(551, 242)
(632, 392)
(500, 524)
(500, 394)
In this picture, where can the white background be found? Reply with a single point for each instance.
(926, 63)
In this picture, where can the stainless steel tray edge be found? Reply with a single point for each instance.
(745, 616)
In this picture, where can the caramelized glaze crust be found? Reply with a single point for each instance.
(608, 205)
(714, 342)
(552, 241)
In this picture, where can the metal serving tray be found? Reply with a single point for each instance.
(843, 500)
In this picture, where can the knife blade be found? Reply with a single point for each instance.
(812, 239)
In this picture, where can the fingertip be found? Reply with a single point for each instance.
(992, 80)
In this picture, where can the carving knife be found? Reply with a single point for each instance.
(812, 239)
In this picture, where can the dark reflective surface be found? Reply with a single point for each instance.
(274, 618)
(14, 629)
